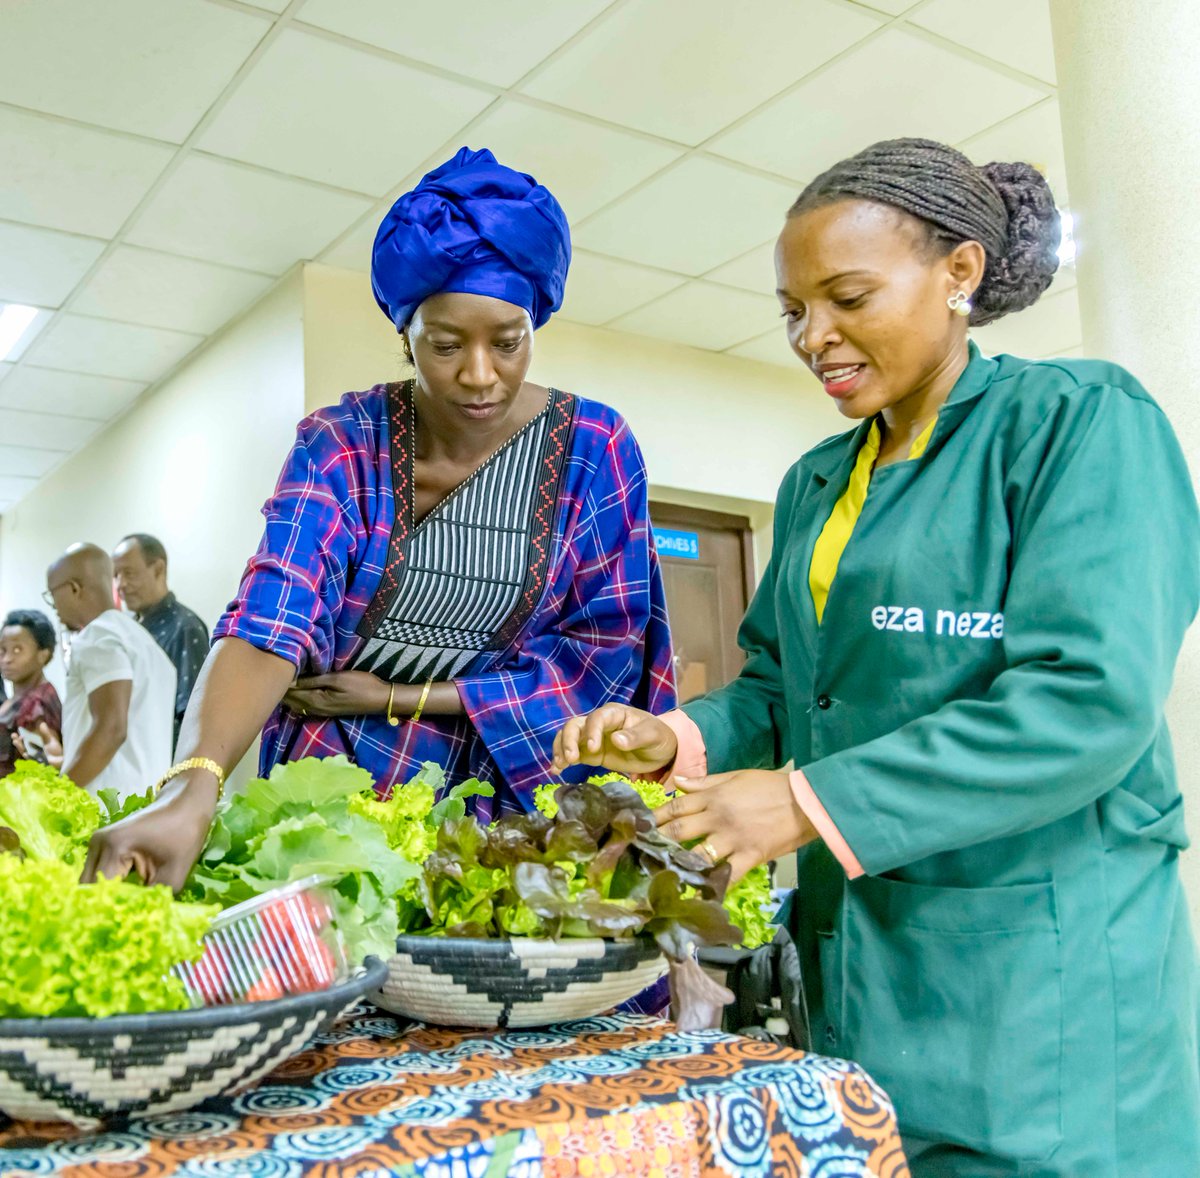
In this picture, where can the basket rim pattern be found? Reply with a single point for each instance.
(641, 947)
(369, 977)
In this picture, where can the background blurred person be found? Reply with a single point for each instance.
(140, 575)
(26, 648)
(119, 711)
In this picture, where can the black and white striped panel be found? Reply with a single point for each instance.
(464, 570)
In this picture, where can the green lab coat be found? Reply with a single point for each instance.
(981, 714)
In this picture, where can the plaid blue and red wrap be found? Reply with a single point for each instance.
(598, 634)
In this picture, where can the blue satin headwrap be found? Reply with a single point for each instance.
(477, 227)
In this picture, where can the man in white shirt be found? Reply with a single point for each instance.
(118, 716)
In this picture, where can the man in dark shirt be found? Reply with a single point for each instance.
(140, 574)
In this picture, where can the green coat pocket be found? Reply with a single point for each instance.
(952, 999)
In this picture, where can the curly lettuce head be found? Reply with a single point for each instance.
(51, 815)
(91, 950)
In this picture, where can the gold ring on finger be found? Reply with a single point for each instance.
(708, 849)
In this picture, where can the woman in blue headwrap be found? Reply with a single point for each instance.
(453, 565)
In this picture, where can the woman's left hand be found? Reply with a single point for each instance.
(340, 693)
(748, 817)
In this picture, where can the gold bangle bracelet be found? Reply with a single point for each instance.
(421, 704)
(394, 721)
(194, 763)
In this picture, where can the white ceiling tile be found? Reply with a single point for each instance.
(71, 394)
(319, 109)
(902, 85)
(46, 431)
(692, 218)
(1047, 328)
(1035, 137)
(40, 266)
(705, 316)
(227, 213)
(27, 461)
(5, 369)
(754, 271)
(498, 43)
(136, 65)
(599, 288)
(584, 164)
(1015, 32)
(72, 178)
(354, 253)
(164, 290)
(772, 348)
(270, 5)
(13, 488)
(80, 344)
(684, 69)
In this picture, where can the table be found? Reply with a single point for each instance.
(613, 1095)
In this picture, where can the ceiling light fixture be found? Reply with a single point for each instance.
(14, 322)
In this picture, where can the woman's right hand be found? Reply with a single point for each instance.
(624, 739)
(51, 752)
(160, 843)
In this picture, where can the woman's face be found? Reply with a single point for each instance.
(20, 656)
(865, 302)
(471, 354)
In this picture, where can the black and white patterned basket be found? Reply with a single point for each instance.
(89, 1071)
(522, 982)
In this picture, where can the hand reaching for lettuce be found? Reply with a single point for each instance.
(158, 843)
(618, 737)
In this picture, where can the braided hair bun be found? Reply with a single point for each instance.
(1007, 208)
(1019, 277)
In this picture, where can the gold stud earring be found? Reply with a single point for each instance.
(960, 303)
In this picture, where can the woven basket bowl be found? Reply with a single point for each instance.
(89, 1070)
(522, 982)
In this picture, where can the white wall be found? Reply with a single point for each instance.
(192, 463)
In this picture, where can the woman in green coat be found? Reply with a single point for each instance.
(963, 643)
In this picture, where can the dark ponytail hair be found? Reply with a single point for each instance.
(1007, 208)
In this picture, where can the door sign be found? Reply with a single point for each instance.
(670, 542)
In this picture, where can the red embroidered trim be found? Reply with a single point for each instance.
(541, 534)
(400, 423)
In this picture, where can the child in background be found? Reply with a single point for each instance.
(26, 647)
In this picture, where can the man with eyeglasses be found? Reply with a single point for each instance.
(119, 712)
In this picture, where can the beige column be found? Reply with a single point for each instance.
(1129, 89)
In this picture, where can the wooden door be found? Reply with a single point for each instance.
(708, 567)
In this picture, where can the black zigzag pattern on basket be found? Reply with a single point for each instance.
(43, 1078)
(507, 979)
(80, 1069)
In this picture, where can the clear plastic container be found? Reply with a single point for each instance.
(285, 941)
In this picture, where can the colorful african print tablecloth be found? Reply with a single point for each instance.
(615, 1095)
